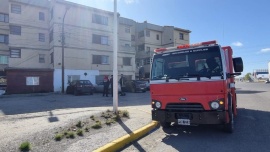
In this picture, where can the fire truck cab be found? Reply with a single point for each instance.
(194, 84)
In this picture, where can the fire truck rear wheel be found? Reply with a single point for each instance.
(165, 124)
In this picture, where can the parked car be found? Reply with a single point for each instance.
(100, 86)
(77, 87)
(147, 84)
(135, 86)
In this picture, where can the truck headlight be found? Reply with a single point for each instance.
(158, 105)
(215, 105)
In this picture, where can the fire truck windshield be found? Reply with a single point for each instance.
(196, 63)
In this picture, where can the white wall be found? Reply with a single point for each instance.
(57, 81)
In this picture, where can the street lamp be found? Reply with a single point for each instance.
(63, 43)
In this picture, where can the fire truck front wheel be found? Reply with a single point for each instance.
(229, 127)
(165, 124)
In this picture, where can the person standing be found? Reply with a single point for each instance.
(111, 83)
(106, 84)
(122, 82)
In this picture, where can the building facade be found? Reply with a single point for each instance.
(150, 37)
(57, 35)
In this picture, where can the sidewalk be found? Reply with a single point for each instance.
(29, 116)
(117, 137)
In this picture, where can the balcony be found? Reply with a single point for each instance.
(123, 48)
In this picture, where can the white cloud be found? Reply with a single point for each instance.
(131, 1)
(239, 44)
(265, 50)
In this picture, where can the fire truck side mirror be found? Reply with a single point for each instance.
(238, 64)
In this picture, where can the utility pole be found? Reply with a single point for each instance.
(63, 57)
(115, 70)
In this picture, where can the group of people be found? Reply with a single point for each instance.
(109, 82)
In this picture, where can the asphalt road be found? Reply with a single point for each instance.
(252, 129)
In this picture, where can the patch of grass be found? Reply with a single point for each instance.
(79, 124)
(86, 129)
(93, 117)
(109, 122)
(125, 113)
(58, 137)
(108, 110)
(97, 125)
(25, 146)
(70, 134)
(116, 117)
(80, 132)
(107, 116)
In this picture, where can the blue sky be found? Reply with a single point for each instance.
(243, 25)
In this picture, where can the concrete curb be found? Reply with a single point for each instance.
(122, 141)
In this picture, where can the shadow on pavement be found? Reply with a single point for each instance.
(251, 133)
(248, 91)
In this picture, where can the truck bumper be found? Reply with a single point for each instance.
(195, 118)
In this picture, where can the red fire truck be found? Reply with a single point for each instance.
(194, 84)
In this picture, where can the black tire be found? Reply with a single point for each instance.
(75, 92)
(68, 90)
(165, 124)
(133, 90)
(229, 127)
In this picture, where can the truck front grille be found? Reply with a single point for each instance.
(184, 107)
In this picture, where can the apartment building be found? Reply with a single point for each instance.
(4, 39)
(48, 36)
(150, 37)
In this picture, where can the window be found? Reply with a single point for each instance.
(147, 33)
(41, 58)
(132, 37)
(100, 59)
(157, 37)
(15, 53)
(32, 81)
(141, 34)
(146, 61)
(51, 13)
(99, 19)
(52, 60)
(41, 16)
(181, 36)
(126, 61)
(141, 47)
(127, 30)
(15, 30)
(16, 9)
(104, 40)
(148, 49)
(3, 59)
(73, 77)
(51, 35)
(4, 18)
(99, 39)
(41, 37)
(3, 38)
(127, 45)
